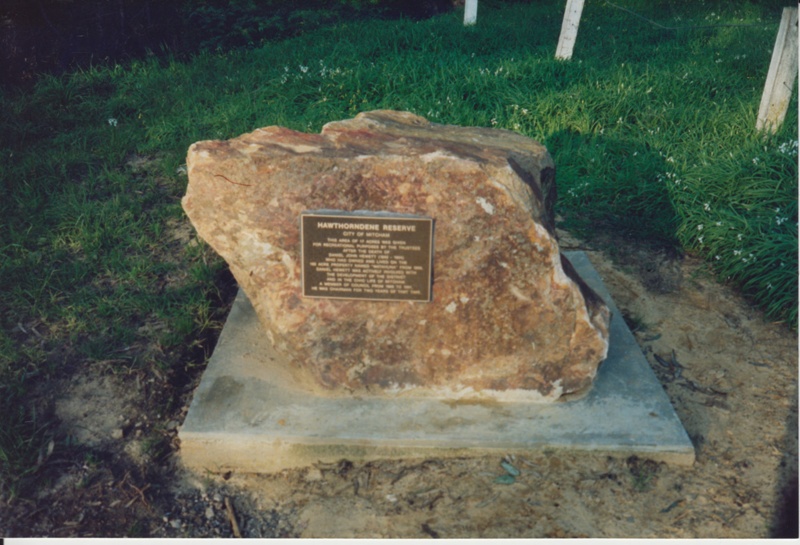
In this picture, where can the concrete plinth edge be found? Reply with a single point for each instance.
(246, 416)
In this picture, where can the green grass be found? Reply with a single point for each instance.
(652, 132)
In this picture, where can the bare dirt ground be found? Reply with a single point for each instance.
(730, 374)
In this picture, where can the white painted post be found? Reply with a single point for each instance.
(470, 12)
(781, 75)
(569, 29)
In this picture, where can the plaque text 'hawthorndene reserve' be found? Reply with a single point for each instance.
(360, 256)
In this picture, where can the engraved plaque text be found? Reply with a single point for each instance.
(359, 256)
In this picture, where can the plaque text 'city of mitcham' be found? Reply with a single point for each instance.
(357, 256)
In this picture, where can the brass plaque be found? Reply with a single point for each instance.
(356, 255)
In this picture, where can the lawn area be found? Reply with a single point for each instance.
(652, 132)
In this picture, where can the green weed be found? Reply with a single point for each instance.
(644, 473)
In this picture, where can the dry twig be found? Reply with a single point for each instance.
(138, 490)
(232, 518)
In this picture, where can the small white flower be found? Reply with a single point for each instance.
(706, 207)
(700, 227)
(737, 252)
(303, 69)
(739, 236)
(788, 148)
(717, 257)
(113, 121)
(700, 239)
(718, 224)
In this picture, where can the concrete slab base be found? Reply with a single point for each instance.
(247, 416)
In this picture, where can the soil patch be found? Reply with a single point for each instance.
(731, 375)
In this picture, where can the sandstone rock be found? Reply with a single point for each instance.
(509, 318)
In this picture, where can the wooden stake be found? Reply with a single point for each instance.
(569, 29)
(781, 75)
(470, 12)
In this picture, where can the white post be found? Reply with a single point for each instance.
(569, 29)
(781, 75)
(470, 12)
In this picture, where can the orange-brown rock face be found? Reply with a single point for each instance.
(508, 319)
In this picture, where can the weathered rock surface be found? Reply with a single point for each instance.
(509, 317)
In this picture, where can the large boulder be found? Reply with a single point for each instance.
(508, 319)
